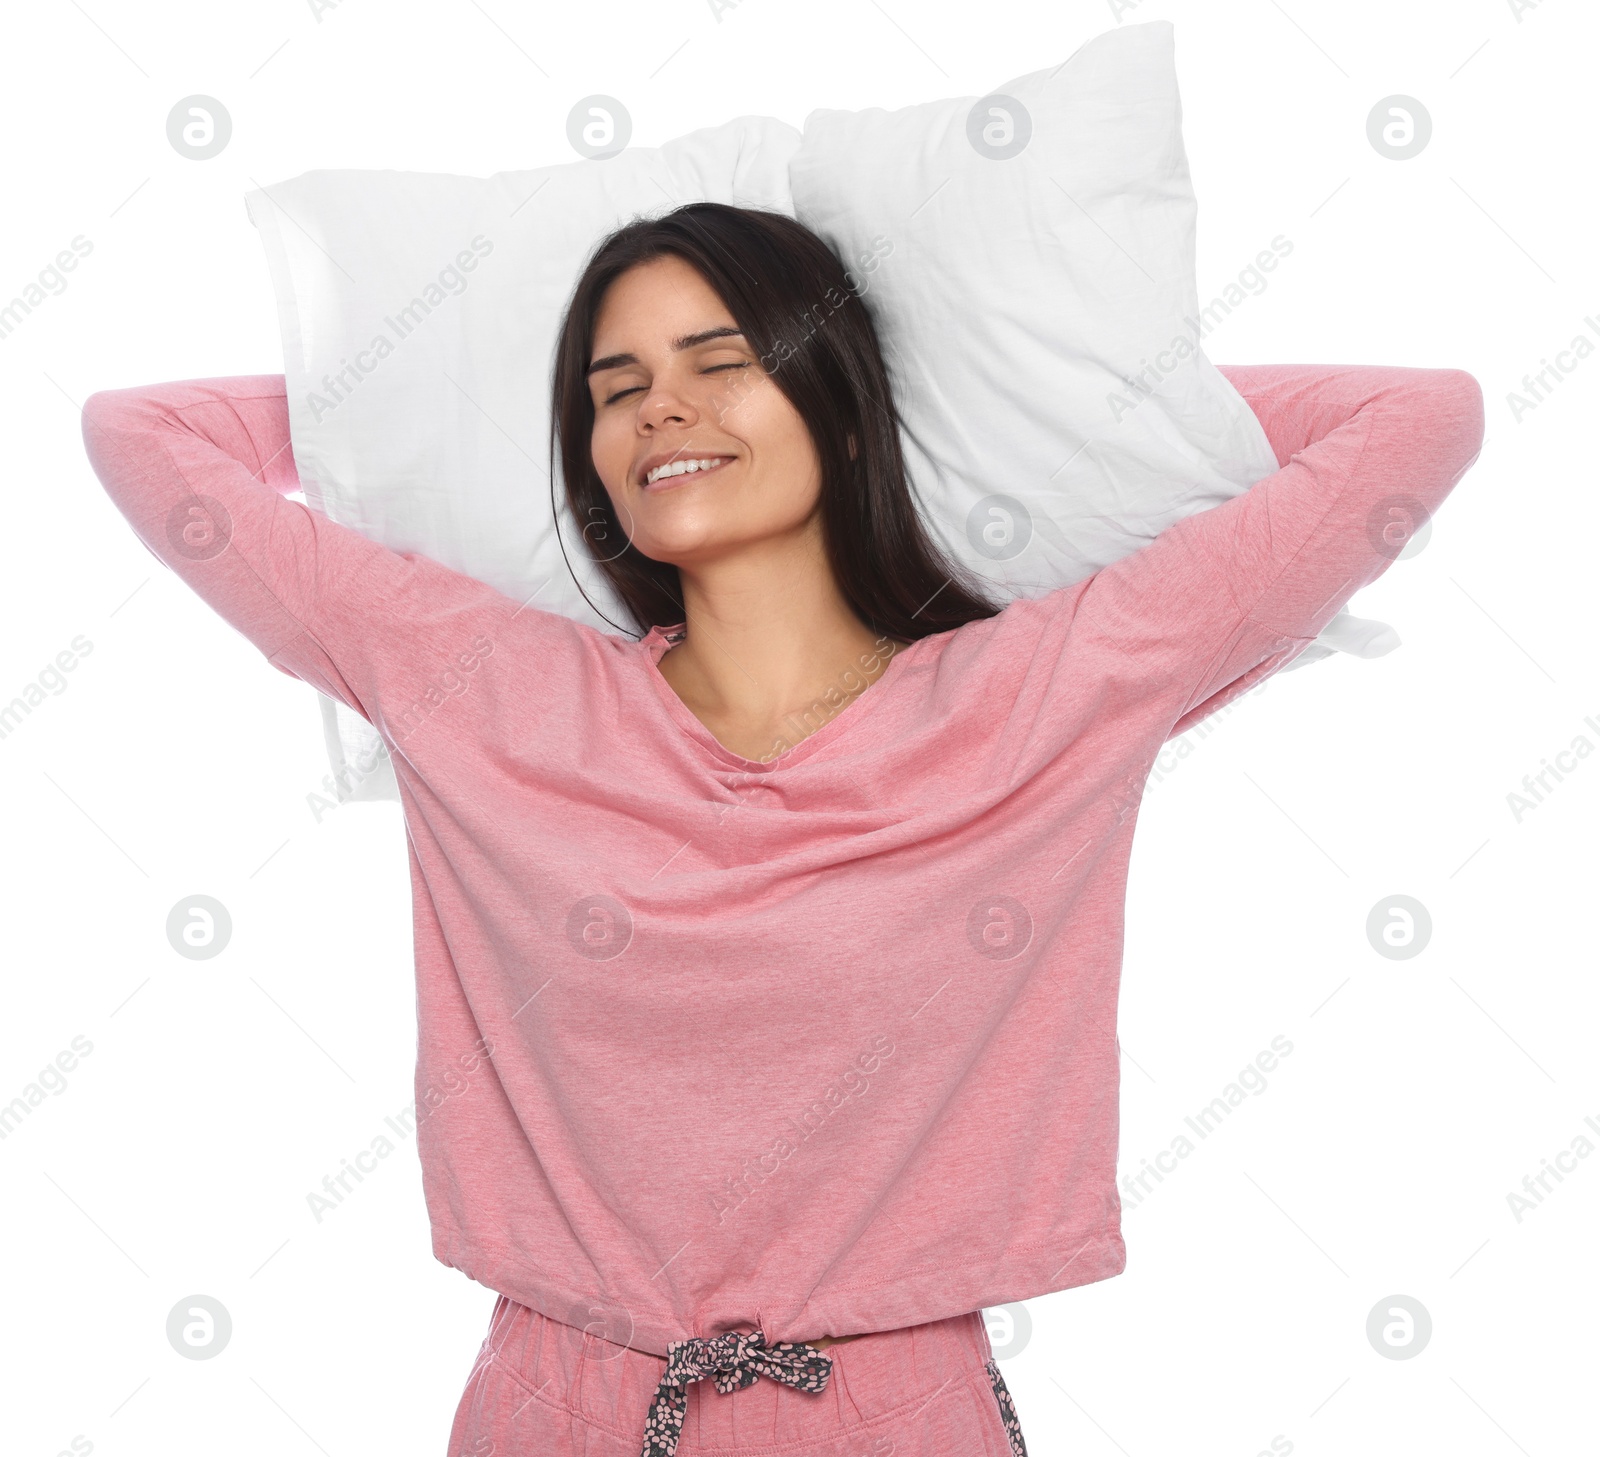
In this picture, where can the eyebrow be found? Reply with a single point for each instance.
(688, 341)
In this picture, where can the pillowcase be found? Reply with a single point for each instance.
(419, 314)
(1033, 306)
(1027, 256)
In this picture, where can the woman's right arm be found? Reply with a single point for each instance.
(199, 468)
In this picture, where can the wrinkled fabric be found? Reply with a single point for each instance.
(539, 1388)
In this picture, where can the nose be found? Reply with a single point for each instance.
(663, 406)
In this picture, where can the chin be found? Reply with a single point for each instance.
(680, 535)
(679, 548)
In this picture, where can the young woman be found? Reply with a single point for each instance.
(767, 961)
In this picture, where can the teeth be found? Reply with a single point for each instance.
(683, 467)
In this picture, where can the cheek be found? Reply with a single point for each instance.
(781, 445)
(612, 450)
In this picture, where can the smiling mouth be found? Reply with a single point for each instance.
(690, 468)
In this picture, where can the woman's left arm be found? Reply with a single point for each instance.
(1225, 597)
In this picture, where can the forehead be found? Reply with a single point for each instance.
(656, 299)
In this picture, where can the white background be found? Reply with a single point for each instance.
(1379, 1157)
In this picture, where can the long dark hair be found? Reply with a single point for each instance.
(790, 296)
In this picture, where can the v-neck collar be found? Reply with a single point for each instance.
(652, 648)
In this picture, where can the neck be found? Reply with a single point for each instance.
(772, 647)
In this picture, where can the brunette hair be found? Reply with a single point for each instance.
(802, 316)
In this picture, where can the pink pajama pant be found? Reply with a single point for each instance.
(543, 1389)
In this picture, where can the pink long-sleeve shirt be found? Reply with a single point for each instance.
(822, 1045)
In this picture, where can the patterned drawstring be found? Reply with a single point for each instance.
(733, 1360)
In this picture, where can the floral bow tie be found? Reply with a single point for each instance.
(733, 1360)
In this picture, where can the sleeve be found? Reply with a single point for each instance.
(201, 468)
(1227, 596)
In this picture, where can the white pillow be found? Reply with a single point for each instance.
(1040, 250)
(419, 314)
(1024, 255)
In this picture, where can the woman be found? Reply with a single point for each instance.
(767, 964)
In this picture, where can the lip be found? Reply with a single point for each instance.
(667, 482)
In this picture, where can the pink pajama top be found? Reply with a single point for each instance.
(823, 1045)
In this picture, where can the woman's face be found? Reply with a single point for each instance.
(673, 381)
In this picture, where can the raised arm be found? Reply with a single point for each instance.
(1227, 596)
(200, 468)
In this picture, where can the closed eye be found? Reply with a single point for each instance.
(711, 369)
